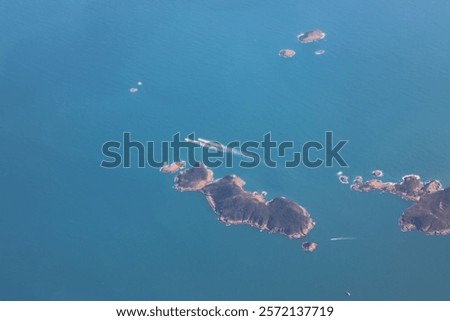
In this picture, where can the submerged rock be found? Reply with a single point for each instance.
(343, 179)
(319, 52)
(377, 173)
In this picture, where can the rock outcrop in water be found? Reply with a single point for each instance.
(235, 206)
(309, 246)
(430, 213)
(172, 168)
(311, 36)
(411, 188)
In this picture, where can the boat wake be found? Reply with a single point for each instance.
(346, 238)
(217, 146)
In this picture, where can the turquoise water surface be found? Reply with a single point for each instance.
(71, 230)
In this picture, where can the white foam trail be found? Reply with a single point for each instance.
(347, 238)
(239, 153)
(210, 144)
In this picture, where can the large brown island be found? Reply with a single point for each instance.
(235, 206)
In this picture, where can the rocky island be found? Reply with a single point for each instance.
(193, 179)
(286, 53)
(430, 212)
(311, 36)
(431, 215)
(235, 206)
(309, 246)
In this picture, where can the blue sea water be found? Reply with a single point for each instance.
(71, 230)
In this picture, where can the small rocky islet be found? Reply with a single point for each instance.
(236, 206)
(429, 214)
(173, 167)
(311, 36)
(286, 53)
